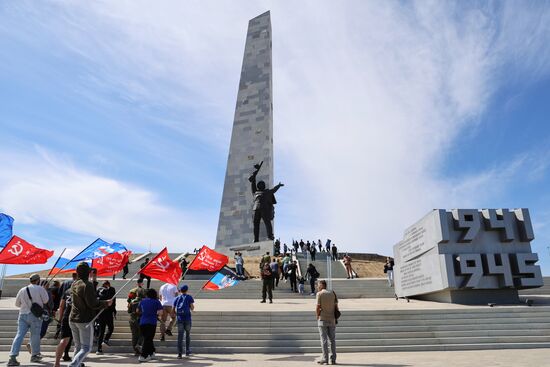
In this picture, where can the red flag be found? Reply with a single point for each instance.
(163, 268)
(19, 251)
(208, 259)
(110, 264)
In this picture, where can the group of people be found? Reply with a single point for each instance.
(85, 312)
(283, 268)
(312, 248)
(146, 308)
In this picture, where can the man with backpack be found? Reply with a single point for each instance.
(30, 300)
(183, 305)
(134, 297)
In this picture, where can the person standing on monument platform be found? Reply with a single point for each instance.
(313, 251)
(334, 252)
(264, 199)
(267, 283)
(388, 270)
(239, 264)
(327, 304)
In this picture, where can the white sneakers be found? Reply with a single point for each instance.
(152, 357)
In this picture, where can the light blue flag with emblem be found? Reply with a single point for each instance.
(6, 229)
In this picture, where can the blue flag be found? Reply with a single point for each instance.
(97, 249)
(6, 229)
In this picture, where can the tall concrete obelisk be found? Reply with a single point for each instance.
(251, 139)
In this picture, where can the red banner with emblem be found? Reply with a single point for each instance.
(163, 268)
(110, 264)
(19, 251)
(208, 259)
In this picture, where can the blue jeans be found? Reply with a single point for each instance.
(25, 323)
(239, 269)
(184, 327)
(83, 340)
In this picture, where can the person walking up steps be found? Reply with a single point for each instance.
(149, 309)
(292, 274)
(267, 283)
(134, 298)
(85, 306)
(183, 305)
(313, 275)
(107, 317)
(168, 293)
(30, 318)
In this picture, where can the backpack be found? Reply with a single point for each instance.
(179, 305)
(36, 309)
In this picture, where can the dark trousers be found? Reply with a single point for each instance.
(142, 277)
(334, 256)
(105, 321)
(312, 256)
(148, 332)
(266, 217)
(267, 287)
(312, 284)
(275, 282)
(44, 328)
(293, 283)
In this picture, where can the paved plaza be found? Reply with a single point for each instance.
(482, 358)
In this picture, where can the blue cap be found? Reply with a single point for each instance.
(184, 288)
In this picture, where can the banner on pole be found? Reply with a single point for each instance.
(19, 251)
(96, 249)
(224, 278)
(163, 268)
(208, 259)
(110, 264)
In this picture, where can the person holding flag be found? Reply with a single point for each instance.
(85, 305)
(183, 305)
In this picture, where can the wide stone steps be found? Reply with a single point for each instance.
(250, 289)
(358, 331)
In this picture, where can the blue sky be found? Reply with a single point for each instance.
(116, 117)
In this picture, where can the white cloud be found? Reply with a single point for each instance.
(44, 189)
(369, 99)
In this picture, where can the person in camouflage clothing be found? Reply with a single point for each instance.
(134, 297)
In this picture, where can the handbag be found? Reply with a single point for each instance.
(337, 312)
(36, 309)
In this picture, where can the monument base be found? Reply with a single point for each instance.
(248, 249)
(472, 296)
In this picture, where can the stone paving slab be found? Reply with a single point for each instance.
(492, 358)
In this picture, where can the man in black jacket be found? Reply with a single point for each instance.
(84, 309)
(106, 319)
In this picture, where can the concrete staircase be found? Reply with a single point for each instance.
(249, 289)
(358, 331)
(320, 263)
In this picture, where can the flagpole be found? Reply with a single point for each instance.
(64, 266)
(117, 292)
(62, 252)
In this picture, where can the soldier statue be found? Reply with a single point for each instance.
(264, 199)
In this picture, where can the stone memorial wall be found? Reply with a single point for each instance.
(467, 256)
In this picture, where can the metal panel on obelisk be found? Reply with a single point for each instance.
(251, 143)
